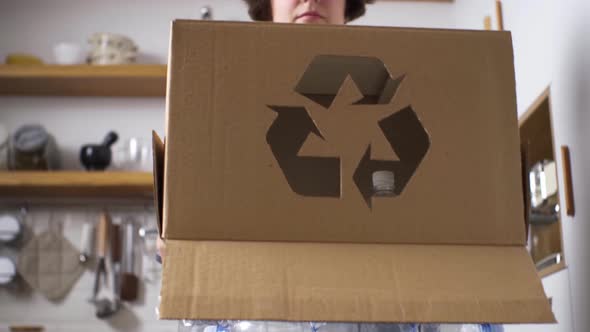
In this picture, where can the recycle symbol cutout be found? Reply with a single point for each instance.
(365, 88)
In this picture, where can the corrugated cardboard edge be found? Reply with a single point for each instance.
(525, 187)
(351, 283)
(158, 148)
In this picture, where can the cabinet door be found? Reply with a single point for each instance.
(557, 287)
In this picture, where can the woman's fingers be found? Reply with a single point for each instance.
(161, 250)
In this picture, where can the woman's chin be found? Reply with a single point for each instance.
(311, 20)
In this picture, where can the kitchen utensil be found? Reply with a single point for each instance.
(3, 147)
(98, 156)
(105, 308)
(50, 264)
(111, 303)
(116, 258)
(32, 148)
(106, 303)
(86, 243)
(11, 229)
(104, 299)
(102, 233)
(68, 53)
(7, 271)
(129, 282)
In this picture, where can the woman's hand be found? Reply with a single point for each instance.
(161, 250)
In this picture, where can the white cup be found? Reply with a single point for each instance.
(68, 54)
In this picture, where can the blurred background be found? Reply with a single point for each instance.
(82, 85)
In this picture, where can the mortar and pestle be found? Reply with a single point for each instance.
(98, 156)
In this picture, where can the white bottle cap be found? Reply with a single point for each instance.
(383, 182)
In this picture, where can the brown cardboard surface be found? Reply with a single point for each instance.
(270, 146)
(351, 282)
(228, 82)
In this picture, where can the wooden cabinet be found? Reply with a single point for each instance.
(545, 241)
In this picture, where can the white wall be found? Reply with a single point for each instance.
(35, 26)
(571, 91)
(551, 45)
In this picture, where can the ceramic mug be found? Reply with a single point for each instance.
(68, 54)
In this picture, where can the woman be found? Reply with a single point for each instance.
(302, 12)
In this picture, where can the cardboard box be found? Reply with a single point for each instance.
(265, 190)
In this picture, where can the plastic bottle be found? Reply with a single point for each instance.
(273, 326)
(382, 327)
(333, 327)
(248, 326)
(186, 325)
(460, 328)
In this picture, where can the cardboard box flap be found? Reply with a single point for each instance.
(351, 282)
(271, 141)
(158, 149)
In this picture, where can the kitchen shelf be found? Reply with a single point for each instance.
(83, 80)
(74, 184)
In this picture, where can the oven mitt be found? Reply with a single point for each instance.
(50, 264)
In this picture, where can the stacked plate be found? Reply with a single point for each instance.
(111, 49)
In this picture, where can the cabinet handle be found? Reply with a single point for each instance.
(567, 180)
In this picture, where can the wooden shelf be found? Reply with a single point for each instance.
(83, 80)
(63, 184)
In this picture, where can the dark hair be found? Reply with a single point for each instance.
(260, 10)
